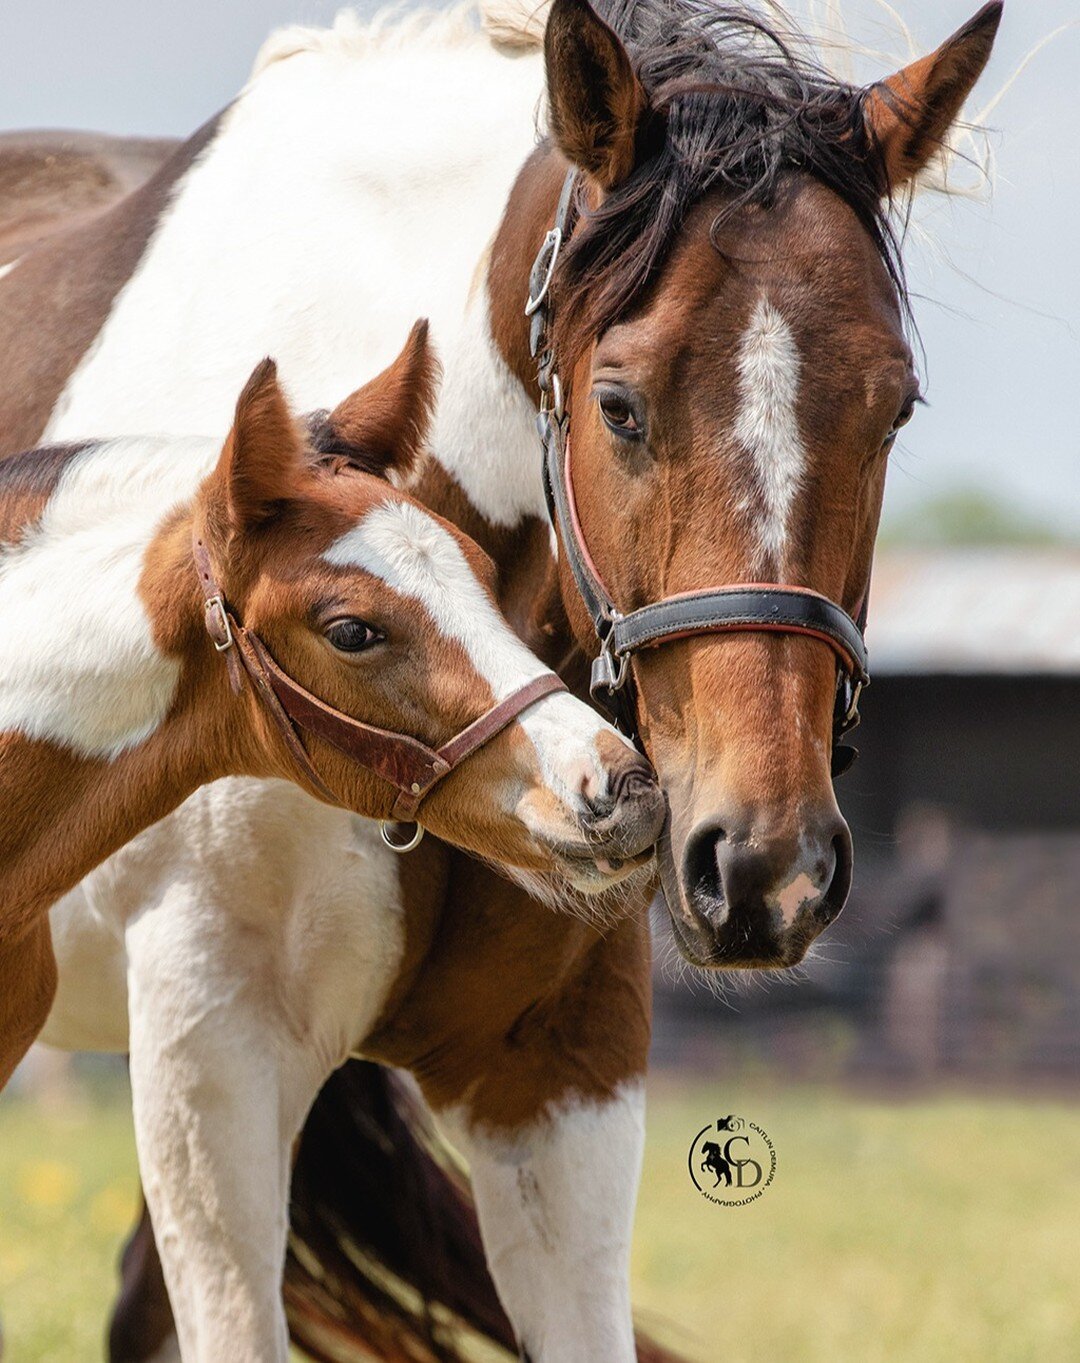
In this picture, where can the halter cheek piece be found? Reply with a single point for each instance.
(404, 762)
(764, 607)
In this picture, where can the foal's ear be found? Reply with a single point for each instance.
(910, 113)
(263, 452)
(597, 105)
(382, 427)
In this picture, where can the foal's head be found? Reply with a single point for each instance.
(387, 613)
(729, 322)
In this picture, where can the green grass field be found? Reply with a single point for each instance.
(938, 1229)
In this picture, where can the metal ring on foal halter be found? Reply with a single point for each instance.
(404, 762)
(758, 606)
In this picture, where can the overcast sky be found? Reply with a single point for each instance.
(999, 305)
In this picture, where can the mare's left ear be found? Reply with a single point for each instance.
(597, 105)
(382, 427)
(909, 114)
(262, 456)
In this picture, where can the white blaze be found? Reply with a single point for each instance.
(409, 551)
(767, 425)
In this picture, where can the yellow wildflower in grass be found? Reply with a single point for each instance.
(47, 1185)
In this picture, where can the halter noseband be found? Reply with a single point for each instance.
(404, 762)
(764, 607)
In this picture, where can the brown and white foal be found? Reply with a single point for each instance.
(115, 704)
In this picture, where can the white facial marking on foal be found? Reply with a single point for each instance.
(78, 662)
(767, 425)
(415, 556)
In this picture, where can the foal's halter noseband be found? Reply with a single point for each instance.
(764, 607)
(404, 762)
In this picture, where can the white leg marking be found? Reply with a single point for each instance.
(262, 931)
(767, 425)
(556, 1205)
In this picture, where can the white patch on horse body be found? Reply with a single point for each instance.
(409, 551)
(7, 269)
(767, 425)
(483, 408)
(556, 1205)
(78, 662)
(338, 237)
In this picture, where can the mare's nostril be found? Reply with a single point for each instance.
(702, 871)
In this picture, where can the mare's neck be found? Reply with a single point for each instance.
(486, 474)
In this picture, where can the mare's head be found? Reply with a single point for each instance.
(729, 322)
(387, 613)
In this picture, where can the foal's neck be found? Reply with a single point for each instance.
(131, 713)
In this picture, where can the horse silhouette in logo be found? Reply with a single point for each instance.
(715, 1162)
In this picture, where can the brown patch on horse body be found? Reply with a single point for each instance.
(27, 481)
(509, 1008)
(55, 180)
(57, 299)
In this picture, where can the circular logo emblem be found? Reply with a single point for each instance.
(732, 1161)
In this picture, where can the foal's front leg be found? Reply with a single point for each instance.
(556, 1200)
(220, 1089)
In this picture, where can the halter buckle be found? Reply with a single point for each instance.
(609, 672)
(217, 626)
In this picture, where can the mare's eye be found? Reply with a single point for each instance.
(618, 413)
(352, 635)
(902, 417)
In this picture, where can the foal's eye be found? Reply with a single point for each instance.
(618, 413)
(352, 635)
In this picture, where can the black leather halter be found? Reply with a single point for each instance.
(756, 606)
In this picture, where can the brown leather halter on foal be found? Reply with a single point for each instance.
(404, 762)
(758, 606)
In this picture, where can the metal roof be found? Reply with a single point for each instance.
(991, 610)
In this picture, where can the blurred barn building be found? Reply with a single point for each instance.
(957, 956)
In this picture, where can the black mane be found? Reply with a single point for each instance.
(737, 107)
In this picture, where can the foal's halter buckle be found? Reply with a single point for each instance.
(408, 765)
(760, 607)
(223, 639)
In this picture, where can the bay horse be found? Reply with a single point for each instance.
(728, 315)
(142, 578)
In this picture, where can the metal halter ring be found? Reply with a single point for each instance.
(552, 242)
(400, 847)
